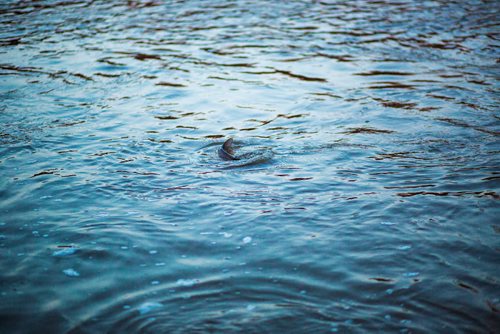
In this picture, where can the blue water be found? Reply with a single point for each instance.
(367, 201)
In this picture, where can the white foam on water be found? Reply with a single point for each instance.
(187, 282)
(148, 307)
(71, 272)
(65, 251)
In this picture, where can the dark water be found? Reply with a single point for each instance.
(369, 201)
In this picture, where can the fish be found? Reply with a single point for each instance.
(241, 159)
(226, 152)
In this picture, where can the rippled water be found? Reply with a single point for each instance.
(370, 205)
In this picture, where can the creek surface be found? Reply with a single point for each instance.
(368, 199)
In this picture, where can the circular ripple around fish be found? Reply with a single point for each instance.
(248, 153)
(250, 303)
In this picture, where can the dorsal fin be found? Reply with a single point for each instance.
(228, 146)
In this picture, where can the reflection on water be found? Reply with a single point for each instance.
(367, 200)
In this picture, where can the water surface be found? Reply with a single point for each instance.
(373, 206)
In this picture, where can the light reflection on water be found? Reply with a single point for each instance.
(374, 207)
